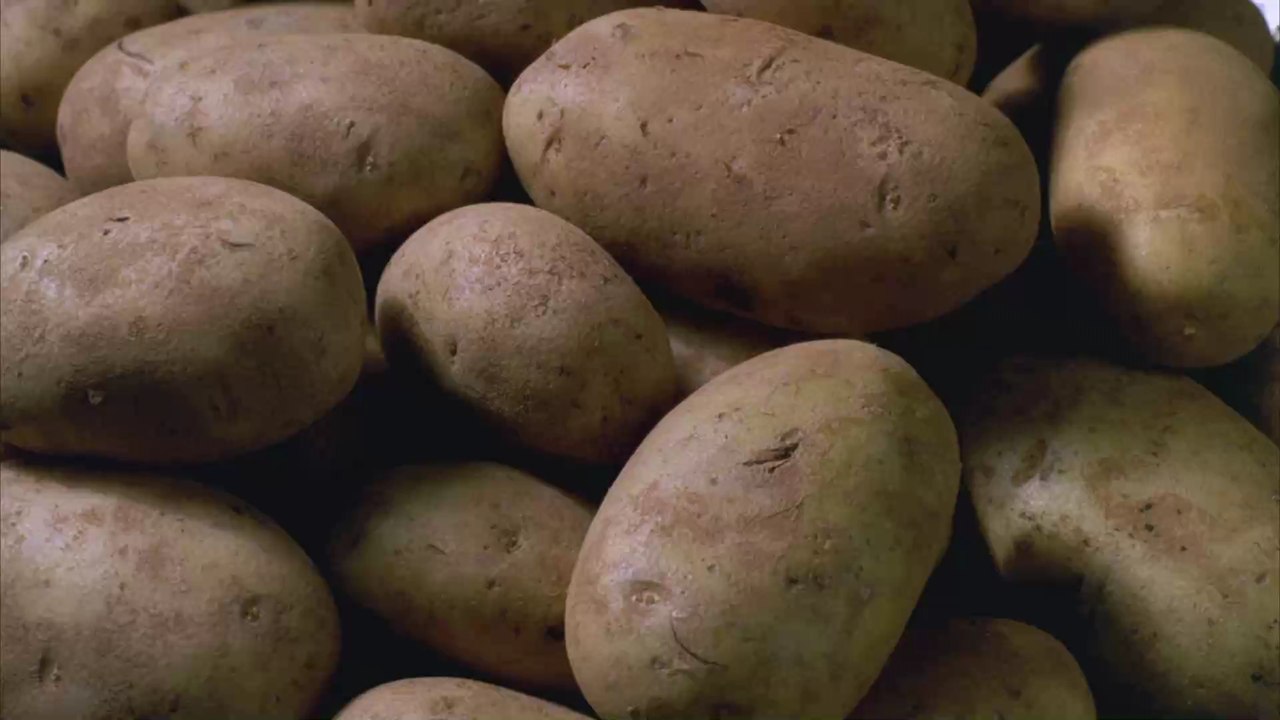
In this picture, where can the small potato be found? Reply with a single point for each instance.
(979, 668)
(450, 699)
(379, 133)
(175, 320)
(28, 190)
(704, 344)
(141, 596)
(528, 321)
(471, 559)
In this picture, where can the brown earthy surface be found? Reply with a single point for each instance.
(450, 699)
(28, 190)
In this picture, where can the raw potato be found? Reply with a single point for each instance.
(128, 595)
(1057, 15)
(979, 668)
(1239, 23)
(783, 178)
(1166, 194)
(107, 92)
(531, 323)
(936, 36)
(471, 559)
(176, 320)
(379, 133)
(1161, 501)
(28, 190)
(760, 553)
(704, 344)
(450, 699)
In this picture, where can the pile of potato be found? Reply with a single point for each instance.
(425, 359)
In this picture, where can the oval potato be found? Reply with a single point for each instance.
(450, 699)
(28, 190)
(704, 344)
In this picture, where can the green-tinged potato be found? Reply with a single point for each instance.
(107, 92)
(528, 321)
(1239, 23)
(1166, 192)
(938, 37)
(1156, 500)
(28, 190)
(979, 668)
(450, 699)
(1070, 14)
(129, 595)
(471, 559)
(379, 133)
(704, 344)
(760, 553)
(175, 320)
(783, 178)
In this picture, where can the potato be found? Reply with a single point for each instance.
(760, 553)
(705, 344)
(1239, 23)
(1165, 193)
(979, 668)
(176, 320)
(937, 37)
(107, 92)
(1057, 15)
(1159, 502)
(528, 321)
(379, 133)
(471, 559)
(28, 190)
(132, 595)
(450, 699)
(783, 178)
(42, 43)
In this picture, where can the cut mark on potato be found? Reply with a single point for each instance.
(774, 457)
(687, 650)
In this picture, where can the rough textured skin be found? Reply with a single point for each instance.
(1239, 23)
(1161, 501)
(136, 596)
(759, 555)
(705, 344)
(28, 190)
(527, 320)
(979, 669)
(784, 178)
(1070, 14)
(379, 133)
(176, 320)
(472, 559)
(1165, 192)
(107, 92)
(937, 36)
(450, 699)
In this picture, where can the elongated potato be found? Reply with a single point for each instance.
(450, 699)
(28, 190)
(762, 550)
(175, 320)
(783, 178)
(379, 133)
(1159, 502)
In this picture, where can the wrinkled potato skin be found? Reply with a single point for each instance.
(979, 668)
(175, 320)
(107, 92)
(472, 559)
(1162, 500)
(704, 344)
(730, 572)
(1070, 14)
(1166, 192)
(129, 595)
(836, 205)
(379, 133)
(528, 321)
(937, 37)
(1239, 23)
(450, 699)
(28, 190)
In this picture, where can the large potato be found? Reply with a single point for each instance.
(450, 699)
(762, 550)
(1159, 502)
(527, 320)
(379, 133)
(176, 320)
(131, 596)
(1166, 192)
(107, 92)
(472, 559)
(761, 171)
(28, 190)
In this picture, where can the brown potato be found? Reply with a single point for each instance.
(450, 699)
(28, 190)
(704, 343)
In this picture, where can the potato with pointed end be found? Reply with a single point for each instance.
(450, 699)
(28, 191)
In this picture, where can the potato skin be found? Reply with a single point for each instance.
(704, 344)
(129, 595)
(471, 559)
(175, 320)
(729, 571)
(1161, 501)
(28, 190)
(528, 321)
(1239, 23)
(831, 207)
(979, 668)
(450, 699)
(379, 133)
